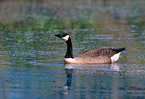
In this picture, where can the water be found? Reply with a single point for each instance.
(31, 57)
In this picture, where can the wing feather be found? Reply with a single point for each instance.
(96, 52)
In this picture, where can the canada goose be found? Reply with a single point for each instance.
(96, 55)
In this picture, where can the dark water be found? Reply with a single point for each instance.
(31, 58)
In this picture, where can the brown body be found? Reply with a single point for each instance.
(106, 55)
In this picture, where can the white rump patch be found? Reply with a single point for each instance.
(66, 37)
(115, 57)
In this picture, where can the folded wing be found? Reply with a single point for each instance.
(96, 52)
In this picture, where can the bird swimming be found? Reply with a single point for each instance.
(92, 56)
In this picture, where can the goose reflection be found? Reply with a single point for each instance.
(67, 85)
(87, 69)
(94, 68)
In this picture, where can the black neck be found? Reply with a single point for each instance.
(69, 53)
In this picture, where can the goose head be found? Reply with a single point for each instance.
(63, 36)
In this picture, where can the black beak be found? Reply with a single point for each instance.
(58, 35)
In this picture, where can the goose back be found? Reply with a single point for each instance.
(96, 52)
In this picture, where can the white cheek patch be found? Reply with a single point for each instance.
(66, 37)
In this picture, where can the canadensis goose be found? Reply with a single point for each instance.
(96, 55)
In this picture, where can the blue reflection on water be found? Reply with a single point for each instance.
(53, 80)
(101, 80)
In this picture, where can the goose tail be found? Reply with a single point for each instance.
(122, 49)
